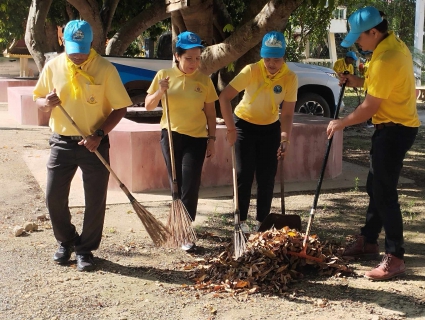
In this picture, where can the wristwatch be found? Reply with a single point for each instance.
(212, 138)
(99, 133)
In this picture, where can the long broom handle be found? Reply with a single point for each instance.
(122, 186)
(322, 171)
(282, 186)
(235, 187)
(170, 143)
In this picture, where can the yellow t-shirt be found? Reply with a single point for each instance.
(187, 95)
(263, 96)
(390, 77)
(340, 66)
(91, 104)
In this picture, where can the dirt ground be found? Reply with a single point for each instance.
(135, 280)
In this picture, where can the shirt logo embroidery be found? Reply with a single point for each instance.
(198, 89)
(277, 89)
(92, 100)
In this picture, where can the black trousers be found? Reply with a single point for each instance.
(189, 155)
(65, 157)
(256, 155)
(389, 147)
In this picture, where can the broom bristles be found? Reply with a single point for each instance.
(156, 230)
(239, 242)
(179, 225)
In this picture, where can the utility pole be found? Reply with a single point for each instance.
(419, 38)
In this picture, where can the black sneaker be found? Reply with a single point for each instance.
(85, 262)
(63, 254)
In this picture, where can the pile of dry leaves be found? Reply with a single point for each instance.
(267, 265)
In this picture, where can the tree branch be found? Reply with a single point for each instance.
(34, 35)
(133, 28)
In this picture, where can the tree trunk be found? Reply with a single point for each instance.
(35, 37)
(89, 11)
(133, 28)
(198, 18)
(273, 16)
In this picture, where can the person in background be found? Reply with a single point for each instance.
(346, 63)
(391, 103)
(254, 127)
(191, 98)
(90, 90)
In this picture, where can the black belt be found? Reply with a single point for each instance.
(79, 138)
(387, 124)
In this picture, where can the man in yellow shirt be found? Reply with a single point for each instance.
(346, 63)
(90, 90)
(391, 102)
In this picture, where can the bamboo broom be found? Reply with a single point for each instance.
(179, 222)
(156, 230)
(239, 240)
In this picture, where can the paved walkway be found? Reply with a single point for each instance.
(36, 161)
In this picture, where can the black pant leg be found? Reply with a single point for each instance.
(61, 168)
(390, 146)
(95, 179)
(267, 145)
(193, 157)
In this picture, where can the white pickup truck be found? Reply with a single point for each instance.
(318, 88)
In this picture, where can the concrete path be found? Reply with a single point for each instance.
(36, 161)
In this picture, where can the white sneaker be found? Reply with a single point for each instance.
(188, 246)
(245, 228)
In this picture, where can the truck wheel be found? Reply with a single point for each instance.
(314, 104)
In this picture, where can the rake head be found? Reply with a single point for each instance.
(239, 242)
(179, 225)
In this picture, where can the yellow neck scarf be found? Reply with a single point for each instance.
(75, 70)
(268, 82)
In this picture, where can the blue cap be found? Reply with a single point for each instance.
(188, 40)
(78, 36)
(360, 21)
(273, 45)
(352, 55)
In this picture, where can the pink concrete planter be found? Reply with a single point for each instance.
(137, 159)
(23, 109)
(10, 82)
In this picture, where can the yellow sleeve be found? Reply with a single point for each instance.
(380, 79)
(43, 86)
(291, 89)
(155, 82)
(242, 80)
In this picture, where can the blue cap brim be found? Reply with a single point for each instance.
(190, 46)
(74, 47)
(350, 39)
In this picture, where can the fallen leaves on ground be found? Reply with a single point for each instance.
(268, 265)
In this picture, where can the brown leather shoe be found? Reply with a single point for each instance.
(390, 267)
(359, 248)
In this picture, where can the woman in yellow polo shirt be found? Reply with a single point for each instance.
(191, 97)
(255, 128)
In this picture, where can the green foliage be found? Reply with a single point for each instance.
(228, 28)
(399, 13)
(307, 23)
(13, 16)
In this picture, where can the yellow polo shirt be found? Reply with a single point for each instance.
(262, 98)
(390, 77)
(91, 104)
(340, 66)
(187, 95)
